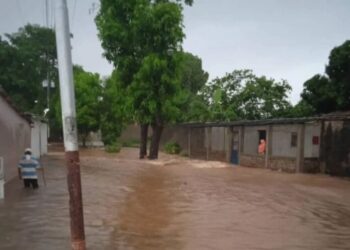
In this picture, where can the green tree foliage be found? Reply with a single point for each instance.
(264, 98)
(338, 70)
(142, 39)
(88, 98)
(242, 95)
(192, 76)
(28, 57)
(88, 93)
(320, 94)
(115, 111)
(301, 109)
(326, 94)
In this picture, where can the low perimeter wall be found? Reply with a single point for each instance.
(256, 161)
(285, 164)
(312, 165)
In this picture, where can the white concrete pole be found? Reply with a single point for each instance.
(69, 125)
(66, 76)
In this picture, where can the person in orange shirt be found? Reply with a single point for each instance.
(262, 147)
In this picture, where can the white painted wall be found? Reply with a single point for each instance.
(39, 139)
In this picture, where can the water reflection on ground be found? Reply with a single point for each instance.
(178, 204)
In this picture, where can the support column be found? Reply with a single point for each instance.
(241, 143)
(228, 144)
(189, 142)
(299, 168)
(268, 154)
(208, 136)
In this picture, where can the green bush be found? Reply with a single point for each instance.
(113, 148)
(172, 148)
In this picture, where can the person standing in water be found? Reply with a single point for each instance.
(27, 170)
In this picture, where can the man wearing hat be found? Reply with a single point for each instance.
(27, 169)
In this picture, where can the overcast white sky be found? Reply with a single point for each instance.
(282, 39)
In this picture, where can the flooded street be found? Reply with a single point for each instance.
(175, 203)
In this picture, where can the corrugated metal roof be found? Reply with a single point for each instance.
(326, 117)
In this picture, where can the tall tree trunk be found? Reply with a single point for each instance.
(157, 130)
(143, 143)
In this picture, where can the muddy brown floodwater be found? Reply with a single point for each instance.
(175, 203)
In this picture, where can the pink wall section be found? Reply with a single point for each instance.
(14, 138)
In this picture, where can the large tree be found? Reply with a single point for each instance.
(88, 92)
(193, 78)
(88, 101)
(142, 39)
(332, 92)
(320, 94)
(264, 98)
(242, 95)
(28, 57)
(115, 109)
(338, 70)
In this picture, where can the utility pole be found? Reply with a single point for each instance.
(47, 57)
(69, 125)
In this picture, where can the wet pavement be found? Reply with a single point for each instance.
(175, 203)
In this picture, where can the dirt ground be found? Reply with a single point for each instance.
(176, 203)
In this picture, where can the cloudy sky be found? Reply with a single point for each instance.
(282, 39)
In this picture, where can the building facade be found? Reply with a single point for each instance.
(301, 145)
(15, 133)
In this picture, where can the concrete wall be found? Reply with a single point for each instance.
(132, 133)
(199, 141)
(218, 139)
(39, 138)
(251, 139)
(311, 150)
(15, 137)
(215, 143)
(335, 148)
(256, 161)
(281, 141)
(285, 164)
(178, 134)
